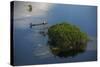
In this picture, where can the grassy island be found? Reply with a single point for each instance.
(66, 39)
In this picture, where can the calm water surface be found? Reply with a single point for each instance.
(30, 46)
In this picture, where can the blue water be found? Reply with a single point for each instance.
(30, 47)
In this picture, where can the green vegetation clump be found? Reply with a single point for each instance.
(64, 37)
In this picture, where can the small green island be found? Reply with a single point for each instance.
(66, 39)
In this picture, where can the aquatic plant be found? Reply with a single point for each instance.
(65, 37)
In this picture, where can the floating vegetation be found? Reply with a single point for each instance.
(66, 39)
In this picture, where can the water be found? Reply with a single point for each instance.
(30, 44)
(31, 48)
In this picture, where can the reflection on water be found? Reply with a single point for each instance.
(70, 53)
(41, 39)
(45, 49)
(66, 53)
(31, 47)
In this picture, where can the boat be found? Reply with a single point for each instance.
(44, 23)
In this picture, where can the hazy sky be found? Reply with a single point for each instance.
(38, 9)
(81, 15)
